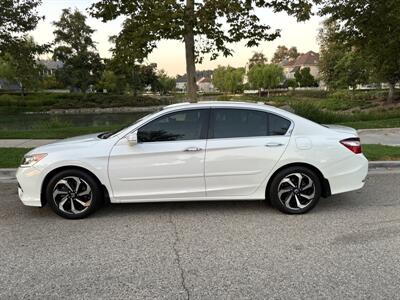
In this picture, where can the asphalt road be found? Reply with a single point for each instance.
(348, 247)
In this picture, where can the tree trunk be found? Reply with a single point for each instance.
(390, 97)
(190, 55)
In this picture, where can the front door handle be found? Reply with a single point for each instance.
(193, 149)
(274, 145)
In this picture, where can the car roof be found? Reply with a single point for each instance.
(259, 105)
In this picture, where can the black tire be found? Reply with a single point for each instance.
(91, 201)
(296, 193)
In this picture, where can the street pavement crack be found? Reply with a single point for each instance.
(178, 258)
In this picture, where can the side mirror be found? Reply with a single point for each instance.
(132, 138)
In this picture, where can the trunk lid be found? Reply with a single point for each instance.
(343, 129)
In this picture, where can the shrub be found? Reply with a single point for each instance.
(316, 114)
(320, 94)
(53, 122)
(42, 101)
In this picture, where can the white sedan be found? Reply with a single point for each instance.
(195, 152)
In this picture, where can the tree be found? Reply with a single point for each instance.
(331, 52)
(16, 18)
(20, 65)
(164, 84)
(265, 77)
(372, 27)
(108, 82)
(228, 79)
(76, 49)
(304, 78)
(283, 53)
(292, 53)
(351, 70)
(127, 60)
(258, 58)
(50, 82)
(292, 83)
(205, 27)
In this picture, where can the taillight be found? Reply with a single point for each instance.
(353, 144)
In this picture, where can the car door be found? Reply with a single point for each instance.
(167, 163)
(243, 147)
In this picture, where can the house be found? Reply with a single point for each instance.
(306, 60)
(181, 83)
(181, 80)
(8, 86)
(50, 66)
(205, 85)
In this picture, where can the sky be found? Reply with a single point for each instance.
(170, 55)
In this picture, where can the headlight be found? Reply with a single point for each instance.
(30, 160)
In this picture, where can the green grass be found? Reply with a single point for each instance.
(46, 101)
(381, 152)
(54, 133)
(383, 123)
(11, 157)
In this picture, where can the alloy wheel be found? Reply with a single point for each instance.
(72, 195)
(296, 191)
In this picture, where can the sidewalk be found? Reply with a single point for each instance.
(24, 143)
(384, 136)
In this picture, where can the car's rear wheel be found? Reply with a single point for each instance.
(295, 190)
(74, 194)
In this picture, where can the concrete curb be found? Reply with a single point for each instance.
(9, 174)
(378, 129)
(384, 165)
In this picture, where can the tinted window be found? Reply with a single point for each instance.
(278, 125)
(229, 123)
(179, 126)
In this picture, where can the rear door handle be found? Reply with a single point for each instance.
(273, 145)
(193, 149)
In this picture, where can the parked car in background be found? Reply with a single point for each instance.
(195, 152)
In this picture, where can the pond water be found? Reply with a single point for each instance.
(43, 121)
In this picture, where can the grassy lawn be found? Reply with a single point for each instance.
(11, 157)
(384, 123)
(381, 152)
(54, 133)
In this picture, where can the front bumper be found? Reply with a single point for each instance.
(29, 186)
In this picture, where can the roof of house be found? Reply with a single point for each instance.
(295, 69)
(9, 86)
(287, 63)
(310, 58)
(51, 64)
(204, 80)
(199, 74)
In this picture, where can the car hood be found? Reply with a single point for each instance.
(342, 129)
(79, 141)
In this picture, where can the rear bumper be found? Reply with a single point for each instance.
(29, 186)
(352, 175)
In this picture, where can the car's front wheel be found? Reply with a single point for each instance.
(295, 190)
(73, 194)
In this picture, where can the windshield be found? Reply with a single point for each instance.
(108, 134)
